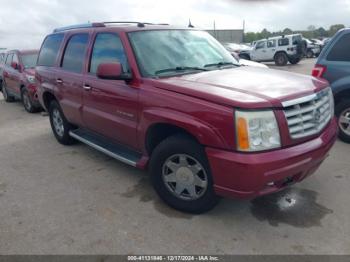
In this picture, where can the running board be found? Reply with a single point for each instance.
(105, 146)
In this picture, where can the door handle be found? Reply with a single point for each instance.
(87, 87)
(59, 81)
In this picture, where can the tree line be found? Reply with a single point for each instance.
(311, 32)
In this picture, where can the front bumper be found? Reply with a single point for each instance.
(249, 175)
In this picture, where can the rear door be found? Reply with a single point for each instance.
(69, 77)
(110, 106)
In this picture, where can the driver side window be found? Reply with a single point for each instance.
(260, 45)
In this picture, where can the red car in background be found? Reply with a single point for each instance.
(18, 81)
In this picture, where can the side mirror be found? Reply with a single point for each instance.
(112, 71)
(14, 65)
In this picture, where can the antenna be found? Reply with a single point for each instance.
(190, 24)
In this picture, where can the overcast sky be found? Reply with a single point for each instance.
(24, 23)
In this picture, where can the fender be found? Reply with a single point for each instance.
(341, 85)
(205, 133)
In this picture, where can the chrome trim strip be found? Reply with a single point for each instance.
(299, 100)
(103, 150)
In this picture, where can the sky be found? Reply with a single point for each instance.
(24, 23)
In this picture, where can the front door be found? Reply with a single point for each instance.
(110, 107)
(259, 52)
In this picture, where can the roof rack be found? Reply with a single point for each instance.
(88, 25)
(102, 24)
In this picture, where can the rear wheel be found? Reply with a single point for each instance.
(342, 111)
(281, 59)
(59, 124)
(27, 102)
(181, 175)
(7, 96)
(310, 54)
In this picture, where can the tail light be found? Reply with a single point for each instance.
(319, 71)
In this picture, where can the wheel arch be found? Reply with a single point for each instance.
(48, 97)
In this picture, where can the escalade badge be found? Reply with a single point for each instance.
(317, 115)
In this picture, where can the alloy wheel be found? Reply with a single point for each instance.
(344, 121)
(57, 122)
(184, 177)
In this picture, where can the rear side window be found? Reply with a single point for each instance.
(341, 50)
(283, 42)
(74, 55)
(9, 59)
(108, 48)
(49, 50)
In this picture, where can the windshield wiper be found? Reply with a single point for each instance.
(221, 64)
(180, 69)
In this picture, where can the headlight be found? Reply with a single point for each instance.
(257, 130)
(31, 79)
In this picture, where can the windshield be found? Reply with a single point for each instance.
(173, 52)
(29, 60)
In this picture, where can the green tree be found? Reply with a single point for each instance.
(287, 31)
(335, 28)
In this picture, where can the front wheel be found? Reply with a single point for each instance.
(310, 54)
(181, 175)
(281, 59)
(27, 102)
(59, 124)
(342, 111)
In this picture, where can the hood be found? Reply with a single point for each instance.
(243, 87)
(30, 71)
(245, 62)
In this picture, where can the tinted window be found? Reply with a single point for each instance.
(341, 50)
(74, 54)
(260, 45)
(49, 50)
(108, 49)
(9, 59)
(296, 39)
(283, 42)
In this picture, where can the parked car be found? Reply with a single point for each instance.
(241, 49)
(244, 62)
(18, 78)
(333, 64)
(174, 101)
(313, 49)
(280, 49)
(2, 61)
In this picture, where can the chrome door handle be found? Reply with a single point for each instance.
(87, 87)
(59, 81)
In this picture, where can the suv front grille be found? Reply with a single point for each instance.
(308, 115)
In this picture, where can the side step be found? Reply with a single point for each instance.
(105, 146)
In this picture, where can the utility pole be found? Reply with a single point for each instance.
(243, 30)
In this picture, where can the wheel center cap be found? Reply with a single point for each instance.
(184, 175)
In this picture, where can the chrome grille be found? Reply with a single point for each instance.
(308, 115)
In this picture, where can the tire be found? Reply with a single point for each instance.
(7, 97)
(281, 59)
(59, 124)
(294, 61)
(342, 111)
(309, 54)
(27, 102)
(188, 158)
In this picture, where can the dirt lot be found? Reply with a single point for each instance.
(75, 200)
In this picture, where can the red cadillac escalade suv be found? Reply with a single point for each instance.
(18, 79)
(173, 100)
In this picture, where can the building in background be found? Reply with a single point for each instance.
(228, 35)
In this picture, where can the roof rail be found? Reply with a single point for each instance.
(88, 25)
(139, 24)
